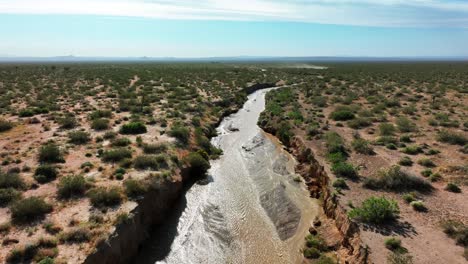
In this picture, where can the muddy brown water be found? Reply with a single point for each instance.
(249, 209)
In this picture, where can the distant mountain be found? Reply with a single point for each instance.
(71, 58)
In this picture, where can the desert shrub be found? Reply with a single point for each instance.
(50, 153)
(426, 172)
(405, 125)
(394, 179)
(325, 260)
(29, 209)
(8, 196)
(154, 148)
(67, 122)
(109, 135)
(409, 197)
(11, 180)
(392, 243)
(311, 253)
(78, 137)
(435, 177)
(386, 140)
(375, 210)
(100, 124)
(418, 206)
(134, 188)
(100, 114)
(121, 142)
(71, 186)
(76, 235)
(45, 173)
(452, 187)
(197, 163)
(362, 146)
(180, 133)
(334, 143)
(405, 139)
(405, 161)
(452, 138)
(340, 183)
(315, 241)
(26, 112)
(105, 197)
(386, 129)
(133, 128)
(344, 169)
(336, 157)
(153, 162)
(412, 150)
(456, 230)
(426, 163)
(342, 114)
(116, 155)
(359, 122)
(399, 258)
(5, 125)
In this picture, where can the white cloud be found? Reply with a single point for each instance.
(414, 13)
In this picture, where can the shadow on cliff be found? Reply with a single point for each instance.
(158, 245)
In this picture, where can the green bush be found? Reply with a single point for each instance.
(105, 197)
(71, 186)
(100, 114)
(340, 183)
(426, 172)
(8, 196)
(68, 122)
(362, 146)
(134, 188)
(399, 258)
(11, 180)
(342, 115)
(405, 161)
(100, 124)
(197, 164)
(116, 155)
(394, 179)
(456, 230)
(311, 253)
(344, 169)
(412, 150)
(386, 129)
(426, 163)
(405, 125)
(452, 187)
(154, 148)
(375, 210)
(315, 241)
(409, 197)
(452, 138)
(180, 133)
(334, 143)
(28, 209)
(418, 206)
(153, 162)
(359, 123)
(393, 243)
(50, 153)
(78, 137)
(76, 235)
(121, 142)
(45, 173)
(133, 128)
(5, 125)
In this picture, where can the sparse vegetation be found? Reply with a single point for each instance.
(28, 209)
(376, 210)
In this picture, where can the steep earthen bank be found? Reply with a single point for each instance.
(350, 248)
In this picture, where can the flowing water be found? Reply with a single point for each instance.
(249, 210)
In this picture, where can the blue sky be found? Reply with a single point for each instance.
(205, 28)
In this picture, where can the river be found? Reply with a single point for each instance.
(250, 209)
